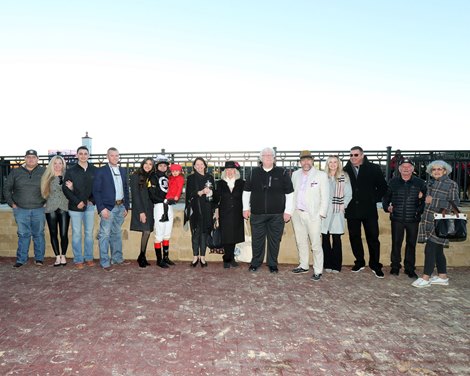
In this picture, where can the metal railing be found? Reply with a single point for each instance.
(458, 159)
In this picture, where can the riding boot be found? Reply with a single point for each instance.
(158, 252)
(166, 247)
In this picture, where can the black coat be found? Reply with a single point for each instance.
(368, 189)
(231, 212)
(140, 204)
(198, 210)
(404, 196)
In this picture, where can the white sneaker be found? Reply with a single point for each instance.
(435, 280)
(420, 282)
(328, 270)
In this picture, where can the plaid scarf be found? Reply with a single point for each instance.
(338, 197)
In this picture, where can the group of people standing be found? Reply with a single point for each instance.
(319, 203)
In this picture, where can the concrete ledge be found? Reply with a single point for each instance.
(180, 243)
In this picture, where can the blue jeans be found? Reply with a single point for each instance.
(88, 219)
(30, 224)
(109, 237)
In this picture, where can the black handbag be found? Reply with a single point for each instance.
(451, 226)
(214, 241)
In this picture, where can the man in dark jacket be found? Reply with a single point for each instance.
(78, 189)
(368, 186)
(404, 201)
(22, 192)
(268, 200)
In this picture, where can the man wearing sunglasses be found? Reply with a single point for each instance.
(368, 186)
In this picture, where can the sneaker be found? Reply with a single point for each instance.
(79, 265)
(328, 270)
(234, 264)
(226, 265)
(107, 269)
(378, 273)
(273, 269)
(90, 263)
(253, 268)
(334, 271)
(420, 282)
(39, 262)
(316, 277)
(357, 268)
(122, 263)
(17, 265)
(435, 280)
(394, 271)
(299, 270)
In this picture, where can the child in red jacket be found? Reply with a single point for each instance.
(175, 187)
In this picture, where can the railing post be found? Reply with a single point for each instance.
(389, 158)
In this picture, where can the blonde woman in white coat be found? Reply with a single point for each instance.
(311, 196)
(334, 224)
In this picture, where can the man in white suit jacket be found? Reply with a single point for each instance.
(311, 195)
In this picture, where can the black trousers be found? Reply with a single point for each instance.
(270, 227)
(58, 221)
(332, 253)
(398, 233)
(228, 252)
(371, 229)
(199, 242)
(434, 257)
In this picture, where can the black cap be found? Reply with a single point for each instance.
(406, 160)
(31, 152)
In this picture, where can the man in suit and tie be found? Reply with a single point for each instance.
(111, 193)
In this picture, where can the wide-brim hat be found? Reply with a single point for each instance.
(31, 152)
(305, 154)
(406, 160)
(231, 164)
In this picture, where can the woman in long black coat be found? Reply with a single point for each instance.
(199, 209)
(142, 208)
(230, 211)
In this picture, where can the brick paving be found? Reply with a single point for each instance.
(212, 321)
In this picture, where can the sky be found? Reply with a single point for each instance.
(234, 75)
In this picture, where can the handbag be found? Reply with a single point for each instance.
(214, 241)
(451, 226)
(243, 251)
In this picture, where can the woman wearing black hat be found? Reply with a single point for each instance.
(199, 209)
(230, 211)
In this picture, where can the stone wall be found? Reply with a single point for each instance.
(180, 245)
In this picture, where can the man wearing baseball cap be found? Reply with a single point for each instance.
(404, 201)
(22, 192)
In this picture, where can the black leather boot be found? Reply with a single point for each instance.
(160, 262)
(142, 260)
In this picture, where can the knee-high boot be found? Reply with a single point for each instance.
(158, 252)
(166, 252)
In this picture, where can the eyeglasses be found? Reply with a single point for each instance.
(354, 155)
